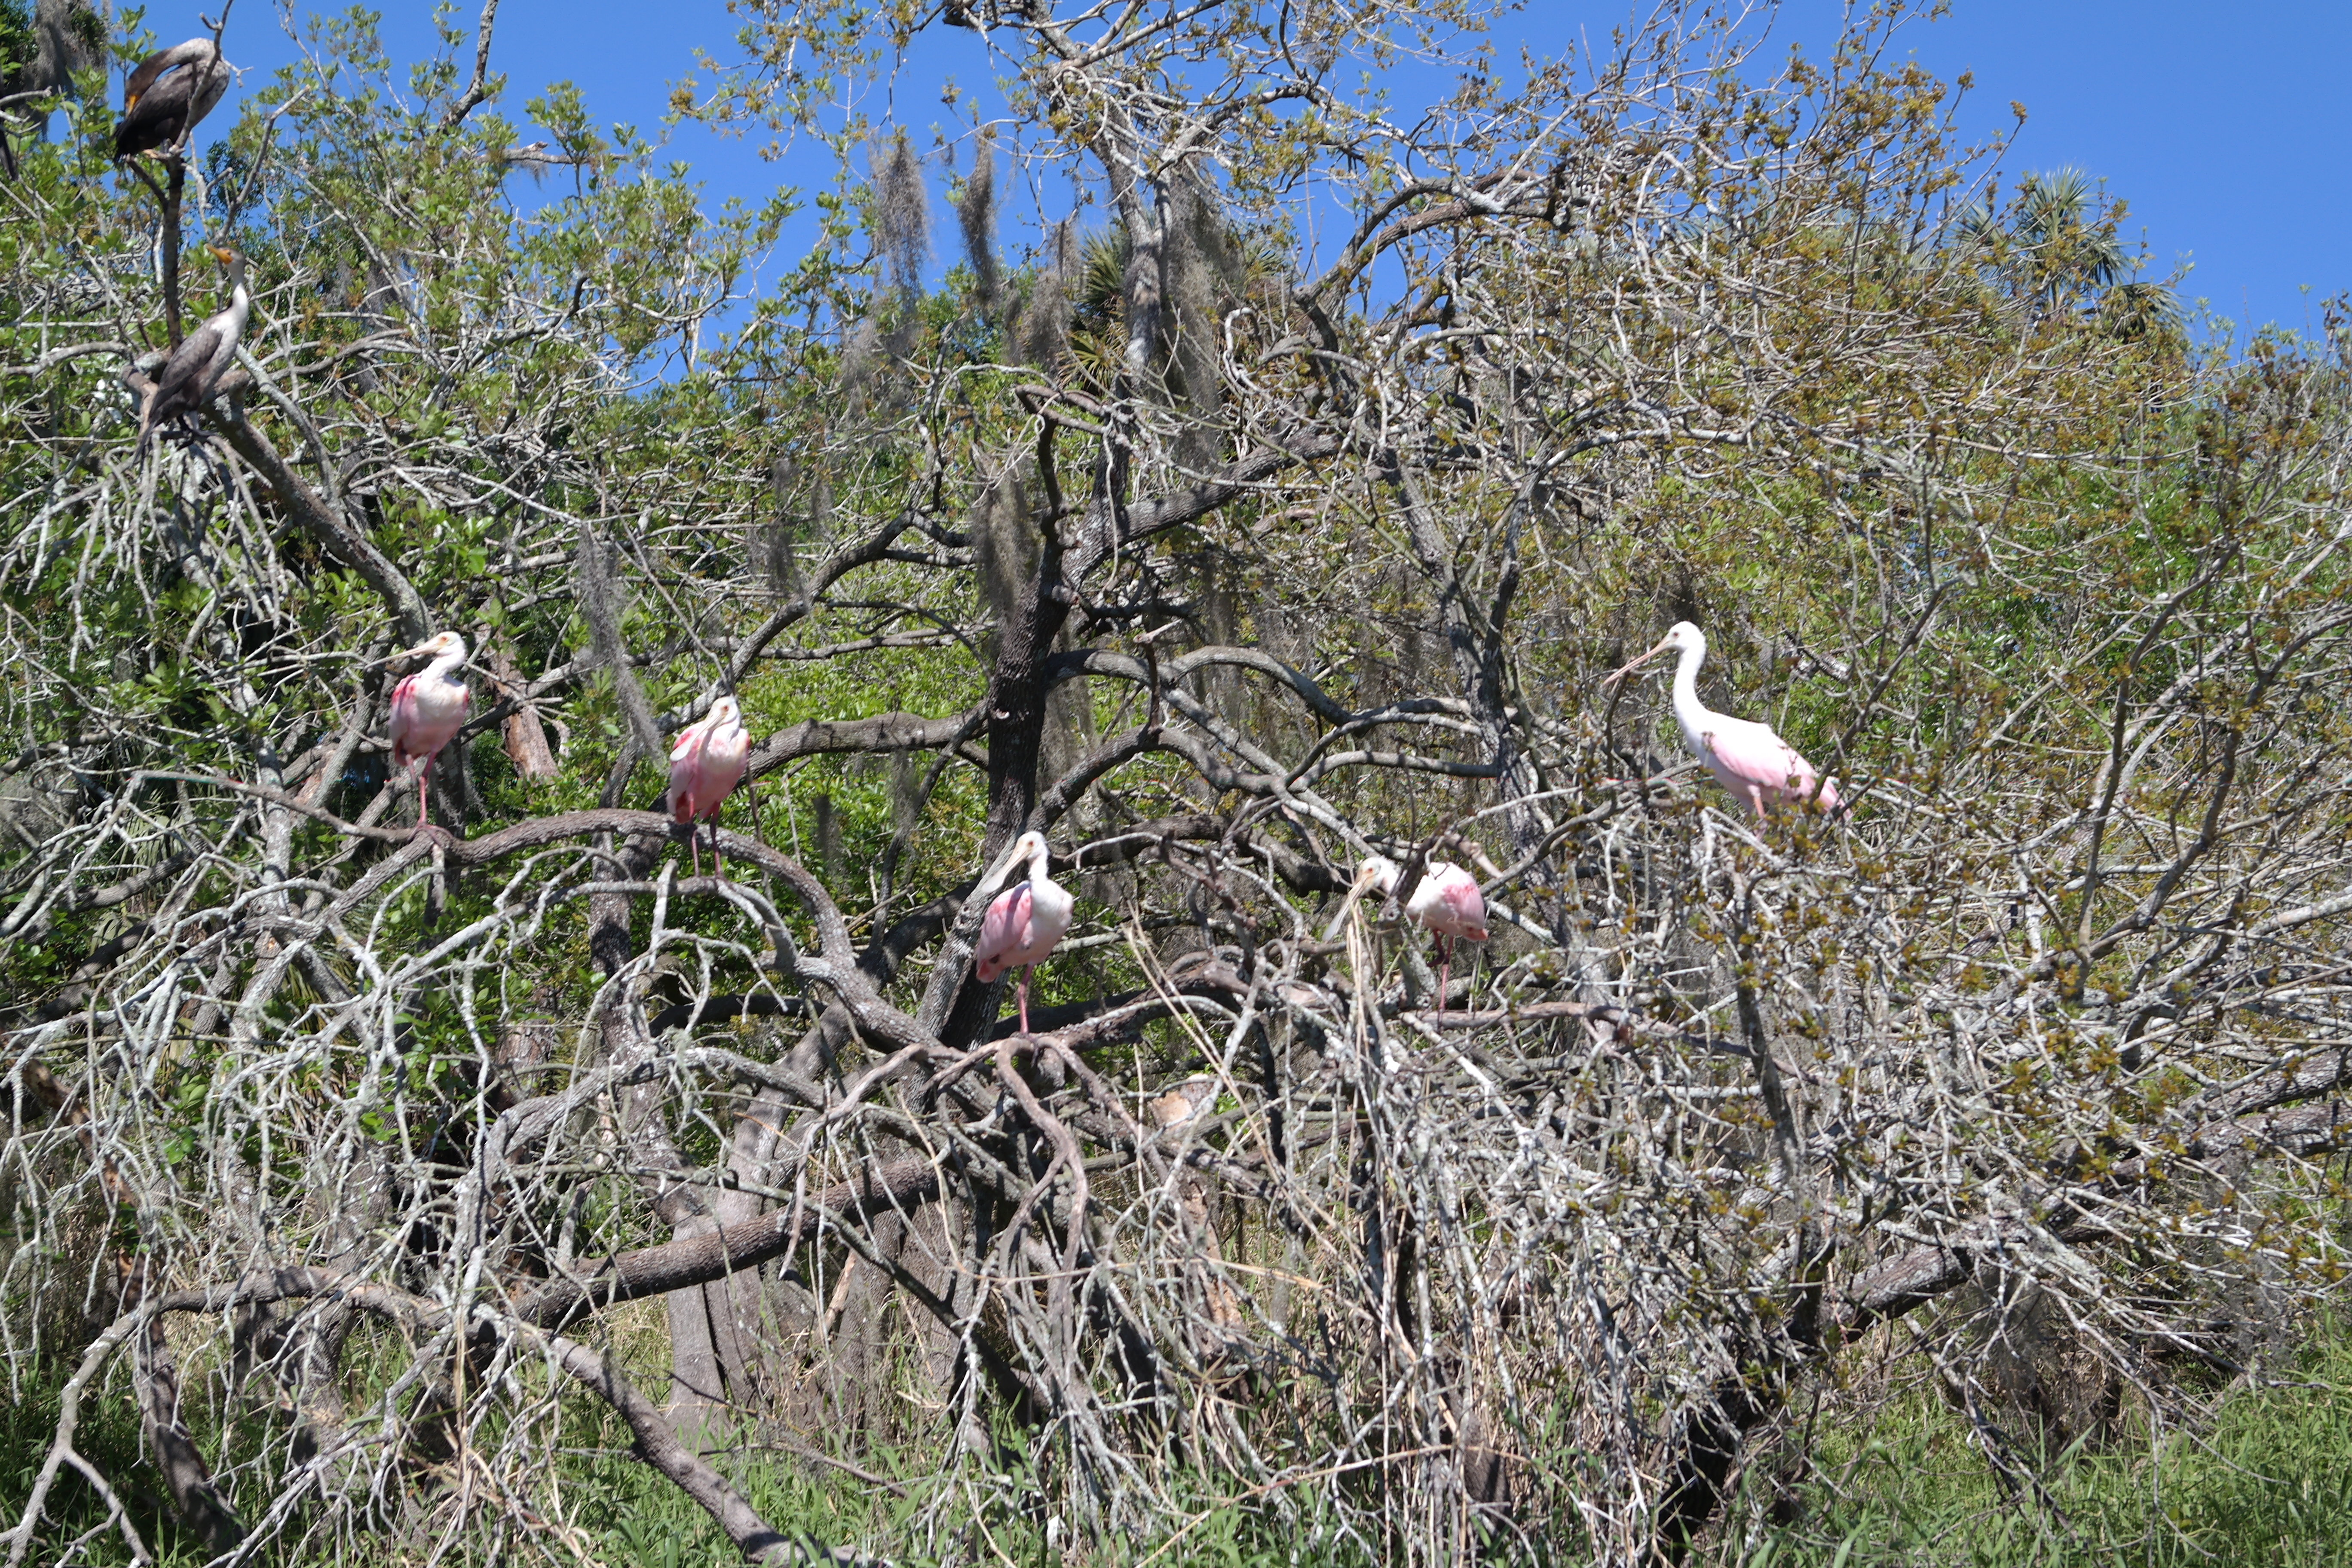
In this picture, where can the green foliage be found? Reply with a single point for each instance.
(1957, 505)
(16, 42)
(2268, 1481)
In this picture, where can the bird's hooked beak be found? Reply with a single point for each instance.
(1619, 674)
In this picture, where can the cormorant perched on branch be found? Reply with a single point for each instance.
(189, 376)
(169, 92)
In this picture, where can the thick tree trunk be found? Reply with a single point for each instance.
(955, 1011)
(737, 1311)
(58, 47)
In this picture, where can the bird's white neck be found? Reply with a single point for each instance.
(444, 666)
(1695, 717)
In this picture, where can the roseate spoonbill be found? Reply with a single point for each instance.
(706, 762)
(1023, 921)
(1445, 900)
(195, 367)
(1746, 758)
(172, 89)
(428, 708)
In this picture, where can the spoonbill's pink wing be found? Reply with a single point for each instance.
(724, 757)
(1050, 907)
(1003, 933)
(1753, 762)
(705, 764)
(1461, 909)
(404, 721)
(1447, 902)
(426, 715)
(686, 774)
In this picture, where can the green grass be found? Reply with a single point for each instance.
(638, 1520)
(2270, 1482)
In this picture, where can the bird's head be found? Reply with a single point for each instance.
(1029, 849)
(157, 66)
(1378, 871)
(725, 711)
(1681, 637)
(440, 647)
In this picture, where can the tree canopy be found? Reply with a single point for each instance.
(371, 1185)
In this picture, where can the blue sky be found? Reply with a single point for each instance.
(2219, 125)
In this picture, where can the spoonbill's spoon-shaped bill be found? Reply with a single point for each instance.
(1746, 758)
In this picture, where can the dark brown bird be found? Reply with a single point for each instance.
(170, 91)
(188, 377)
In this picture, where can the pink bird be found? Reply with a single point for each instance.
(1746, 758)
(1447, 901)
(707, 762)
(429, 708)
(1023, 921)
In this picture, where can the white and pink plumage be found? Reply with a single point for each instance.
(1023, 921)
(706, 762)
(1445, 901)
(1746, 758)
(429, 709)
